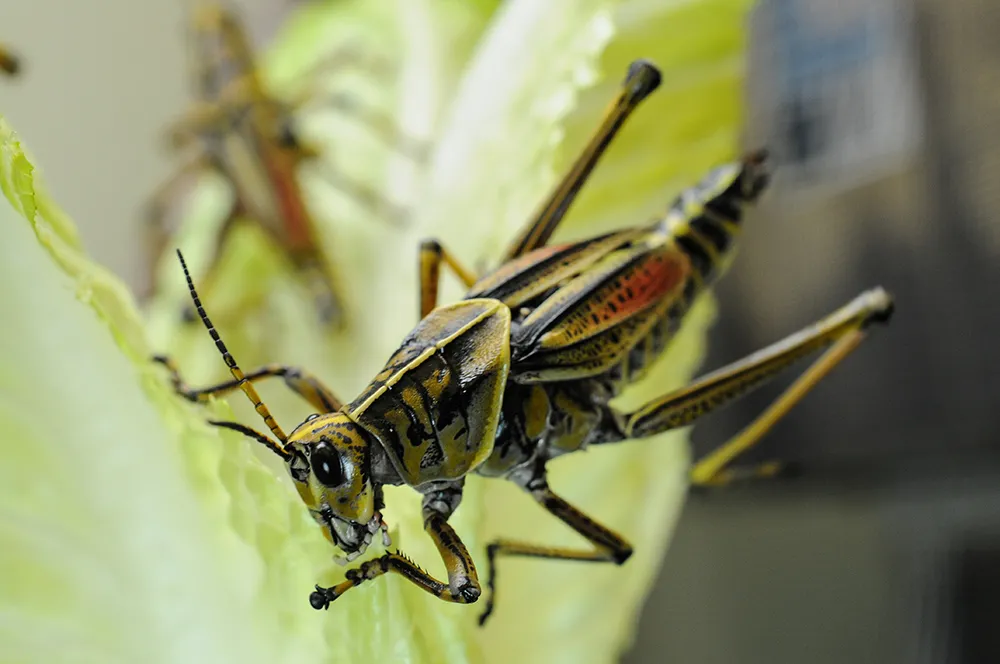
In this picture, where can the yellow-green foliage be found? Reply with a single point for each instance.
(131, 531)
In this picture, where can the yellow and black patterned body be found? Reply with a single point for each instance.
(435, 406)
(427, 420)
(590, 317)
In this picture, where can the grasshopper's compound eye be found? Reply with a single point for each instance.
(328, 466)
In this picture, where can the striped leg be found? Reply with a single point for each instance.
(607, 546)
(641, 80)
(299, 381)
(840, 333)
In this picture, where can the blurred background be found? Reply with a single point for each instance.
(886, 548)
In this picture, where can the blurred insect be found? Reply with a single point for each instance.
(522, 370)
(10, 64)
(248, 137)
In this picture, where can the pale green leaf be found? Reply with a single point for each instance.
(133, 531)
(115, 538)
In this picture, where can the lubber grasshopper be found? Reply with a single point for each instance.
(244, 134)
(522, 371)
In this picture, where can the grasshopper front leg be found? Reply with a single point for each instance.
(463, 581)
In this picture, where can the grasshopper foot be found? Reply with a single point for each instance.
(321, 598)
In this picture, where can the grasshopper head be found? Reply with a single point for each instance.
(328, 457)
(330, 464)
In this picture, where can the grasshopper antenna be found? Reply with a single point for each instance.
(256, 435)
(234, 369)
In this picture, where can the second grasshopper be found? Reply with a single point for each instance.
(241, 132)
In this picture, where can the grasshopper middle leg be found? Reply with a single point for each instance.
(432, 254)
(607, 545)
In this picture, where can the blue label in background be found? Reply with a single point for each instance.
(841, 84)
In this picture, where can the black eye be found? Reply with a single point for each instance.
(326, 466)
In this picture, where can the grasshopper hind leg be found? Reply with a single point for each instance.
(839, 334)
